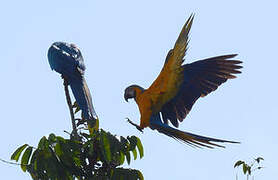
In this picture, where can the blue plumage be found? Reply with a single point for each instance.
(67, 60)
(199, 79)
(185, 137)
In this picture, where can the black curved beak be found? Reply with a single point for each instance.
(129, 93)
(126, 97)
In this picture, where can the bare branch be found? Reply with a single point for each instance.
(8, 162)
(74, 129)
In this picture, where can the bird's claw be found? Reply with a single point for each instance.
(137, 127)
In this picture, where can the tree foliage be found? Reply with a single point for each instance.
(91, 153)
(248, 169)
(95, 156)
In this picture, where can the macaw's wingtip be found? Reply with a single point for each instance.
(233, 55)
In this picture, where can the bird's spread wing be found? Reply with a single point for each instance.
(200, 78)
(170, 78)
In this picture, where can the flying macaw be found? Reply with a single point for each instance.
(172, 95)
(67, 60)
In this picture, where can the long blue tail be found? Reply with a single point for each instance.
(185, 137)
(67, 60)
(83, 97)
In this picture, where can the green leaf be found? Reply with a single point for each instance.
(127, 155)
(25, 158)
(39, 162)
(105, 146)
(134, 152)
(126, 174)
(77, 109)
(59, 138)
(90, 146)
(77, 161)
(34, 159)
(43, 144)
(58, 149)
(96, 126)
(133, 142)
(122, 158)
(249, 170)
(244, 168)
(16, 154)
(140, 175)
(238, 163)
(93, 126)
(74, 104)
(51, 168)
(140, 148)
(259, 159)
(52, 138)
(124, 144)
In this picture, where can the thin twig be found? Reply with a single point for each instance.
(8, 162)
(67, 132)
(74, 129)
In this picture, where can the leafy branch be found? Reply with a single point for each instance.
(89, 153)
(248, 169)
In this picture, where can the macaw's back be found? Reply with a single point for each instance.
(67, 60)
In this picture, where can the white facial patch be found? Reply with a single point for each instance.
(56, 47)
(64, 52)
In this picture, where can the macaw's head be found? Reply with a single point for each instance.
(132, 92)
(65, 58)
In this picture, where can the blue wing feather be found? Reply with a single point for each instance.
(199, 79)
(67, 60)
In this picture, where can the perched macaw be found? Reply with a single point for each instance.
(172, 95)
(67, 60)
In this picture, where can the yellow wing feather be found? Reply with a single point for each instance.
(166, 85)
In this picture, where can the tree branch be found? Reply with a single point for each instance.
(9, 162)
(74, 129)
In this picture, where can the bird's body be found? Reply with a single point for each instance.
(177, 88)
(67, 60)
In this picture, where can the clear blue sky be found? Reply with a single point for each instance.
(126, 42)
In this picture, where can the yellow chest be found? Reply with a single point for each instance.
(145, 105)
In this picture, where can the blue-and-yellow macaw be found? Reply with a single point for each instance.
(67, 60)
(172, 95)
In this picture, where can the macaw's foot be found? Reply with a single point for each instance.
(132, 123)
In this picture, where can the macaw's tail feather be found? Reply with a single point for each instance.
(83, 97)
(191, 139)
(186, 137)
(89, 99)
